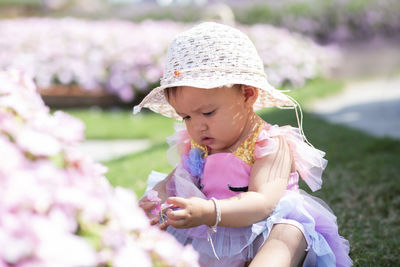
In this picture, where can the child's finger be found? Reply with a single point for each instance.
(176, 214)
(143, 200)
(164, 226)
(177, 202)
(176, 223)
(154, 220)
(148, 205)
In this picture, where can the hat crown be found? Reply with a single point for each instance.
(210, 46)
(208, 56)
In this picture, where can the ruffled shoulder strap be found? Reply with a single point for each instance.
(179, 144)
(309, 162)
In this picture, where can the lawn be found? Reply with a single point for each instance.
(361, 181)
(361, 185)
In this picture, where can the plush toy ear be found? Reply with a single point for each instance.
(250, 94)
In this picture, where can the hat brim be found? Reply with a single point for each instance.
(268, 96)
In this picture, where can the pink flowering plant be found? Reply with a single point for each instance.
(152, 195)
(125, 58)
(56, 206)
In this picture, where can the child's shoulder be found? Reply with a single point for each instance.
(275, 129)
(267, 141)
(309, 162)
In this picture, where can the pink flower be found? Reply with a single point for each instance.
(130, 255)
(49, 190)
(189, 256)
(62, 126)
(62, 218)
(113, 238)
(82, 163)
(37, 143)
(152, 195)
(11, 157)
(8, 124)
(170, 252)
(15, 246)
(126, 212)
(126, 93)
(24, 191)
(59, 248)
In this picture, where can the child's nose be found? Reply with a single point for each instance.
(202, 126)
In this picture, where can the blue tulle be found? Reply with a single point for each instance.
(194, 162)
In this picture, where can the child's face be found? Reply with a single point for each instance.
(214, 117)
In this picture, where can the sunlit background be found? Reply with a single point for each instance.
(116, 47)
(96, 59)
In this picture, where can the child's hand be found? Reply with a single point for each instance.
(147, 206)
(189, 212)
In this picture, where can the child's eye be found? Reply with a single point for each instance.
(208, 113)
(186, 118)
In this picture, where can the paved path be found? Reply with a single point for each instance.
(104, 150)
(372, 106)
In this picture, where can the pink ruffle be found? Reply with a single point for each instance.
(179, 144)
(309, 162)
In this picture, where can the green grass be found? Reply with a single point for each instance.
(315, 89)
(20, 2)
(361, 185)
(132, 171)
(122, 124)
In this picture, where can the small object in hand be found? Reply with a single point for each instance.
(163, 212)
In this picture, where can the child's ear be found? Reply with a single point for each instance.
(250, 94)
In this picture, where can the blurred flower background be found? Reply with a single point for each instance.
(59, 207)
(116, 47)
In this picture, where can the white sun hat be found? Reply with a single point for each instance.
(212, 55)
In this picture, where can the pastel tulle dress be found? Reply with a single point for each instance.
(223, 175)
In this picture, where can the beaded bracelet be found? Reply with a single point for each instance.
(218, 211)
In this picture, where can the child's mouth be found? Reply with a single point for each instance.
(207, 140)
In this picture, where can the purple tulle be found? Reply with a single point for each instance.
(235, 246)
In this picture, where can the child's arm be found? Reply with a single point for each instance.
(268, 181)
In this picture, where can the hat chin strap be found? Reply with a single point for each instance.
(299, 119)
(300, 124)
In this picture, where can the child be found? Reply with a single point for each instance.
(234, 196)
